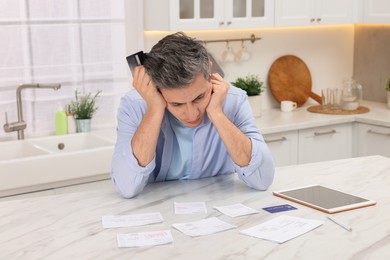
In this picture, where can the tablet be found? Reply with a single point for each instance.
(324, 199)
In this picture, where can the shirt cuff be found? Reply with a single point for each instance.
(254, 163)
(133, 163)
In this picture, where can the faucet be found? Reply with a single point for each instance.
(20, 125)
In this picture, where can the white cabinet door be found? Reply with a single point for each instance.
(207, 14)
(283, 147)
(335, 11)
(248, 14)
(294, 12)
(196, 14)
(373, 140)
(313, 12)
(325, 143)
(376, 11)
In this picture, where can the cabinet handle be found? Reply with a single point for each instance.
(312, 20)
(325, 133)
(229, 23)
(281, 139)
(319, 20)
(377, 133)
(221, 23)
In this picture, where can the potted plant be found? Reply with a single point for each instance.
(253, 86)
(83, 107)
(387, 88)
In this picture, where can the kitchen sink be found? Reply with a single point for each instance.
(18, 150)
(70, 143)
(54, 161)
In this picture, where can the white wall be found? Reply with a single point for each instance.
(327, 51)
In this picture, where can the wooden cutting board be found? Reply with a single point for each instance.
(290, 79)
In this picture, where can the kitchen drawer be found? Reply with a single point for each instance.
(283, 147)
(325, 143)
(373, 140)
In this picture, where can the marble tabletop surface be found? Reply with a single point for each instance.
(68, 226)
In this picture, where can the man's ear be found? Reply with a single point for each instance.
(211, 67)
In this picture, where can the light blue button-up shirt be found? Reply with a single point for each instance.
(209, 156)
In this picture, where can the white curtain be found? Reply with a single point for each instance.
(78, 43)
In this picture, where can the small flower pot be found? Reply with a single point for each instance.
(83, 125)
(255, 103)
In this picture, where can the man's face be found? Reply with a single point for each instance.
(188, 104)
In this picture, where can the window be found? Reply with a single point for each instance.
(78, 43)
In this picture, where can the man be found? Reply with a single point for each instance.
(183, 122)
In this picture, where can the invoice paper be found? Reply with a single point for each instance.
(282, 228)
(203, 227)
(144, 239)
(236, 210)
(190, 207)
(131, 220)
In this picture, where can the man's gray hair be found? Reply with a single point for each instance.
(176, 60)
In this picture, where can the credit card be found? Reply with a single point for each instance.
(279, 208)
(135, 59)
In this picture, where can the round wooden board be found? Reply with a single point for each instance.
(290, 79)
(321, 110)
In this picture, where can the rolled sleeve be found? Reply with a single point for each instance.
(127, 175)
(259, 173)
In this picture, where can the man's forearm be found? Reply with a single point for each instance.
(238, 145)
(145, 139)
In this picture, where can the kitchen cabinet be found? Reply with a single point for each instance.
(325, 143)
(373, 140)
(283, 147)
(311, 145)
(207, 14)
(314, 12)
(375, 11)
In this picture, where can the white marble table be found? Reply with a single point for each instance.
(68, 226)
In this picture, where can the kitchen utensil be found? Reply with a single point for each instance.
(289, 79)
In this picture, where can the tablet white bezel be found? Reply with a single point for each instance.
(366, 203)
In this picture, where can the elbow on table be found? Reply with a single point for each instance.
(263, 180)
(126, 191)
(262, 185)
(128, 194)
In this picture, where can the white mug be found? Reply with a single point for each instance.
(288, 106)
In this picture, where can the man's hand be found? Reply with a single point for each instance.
(148, 91)
(237, 144)
(219, 90)
(145, 139)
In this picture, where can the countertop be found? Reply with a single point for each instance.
(68, 226)
(274, 121)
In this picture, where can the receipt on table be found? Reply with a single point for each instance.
(203, 227)
(142, 239)
(131, 220)
(190, 207)
(236, 210)
(282, 228)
